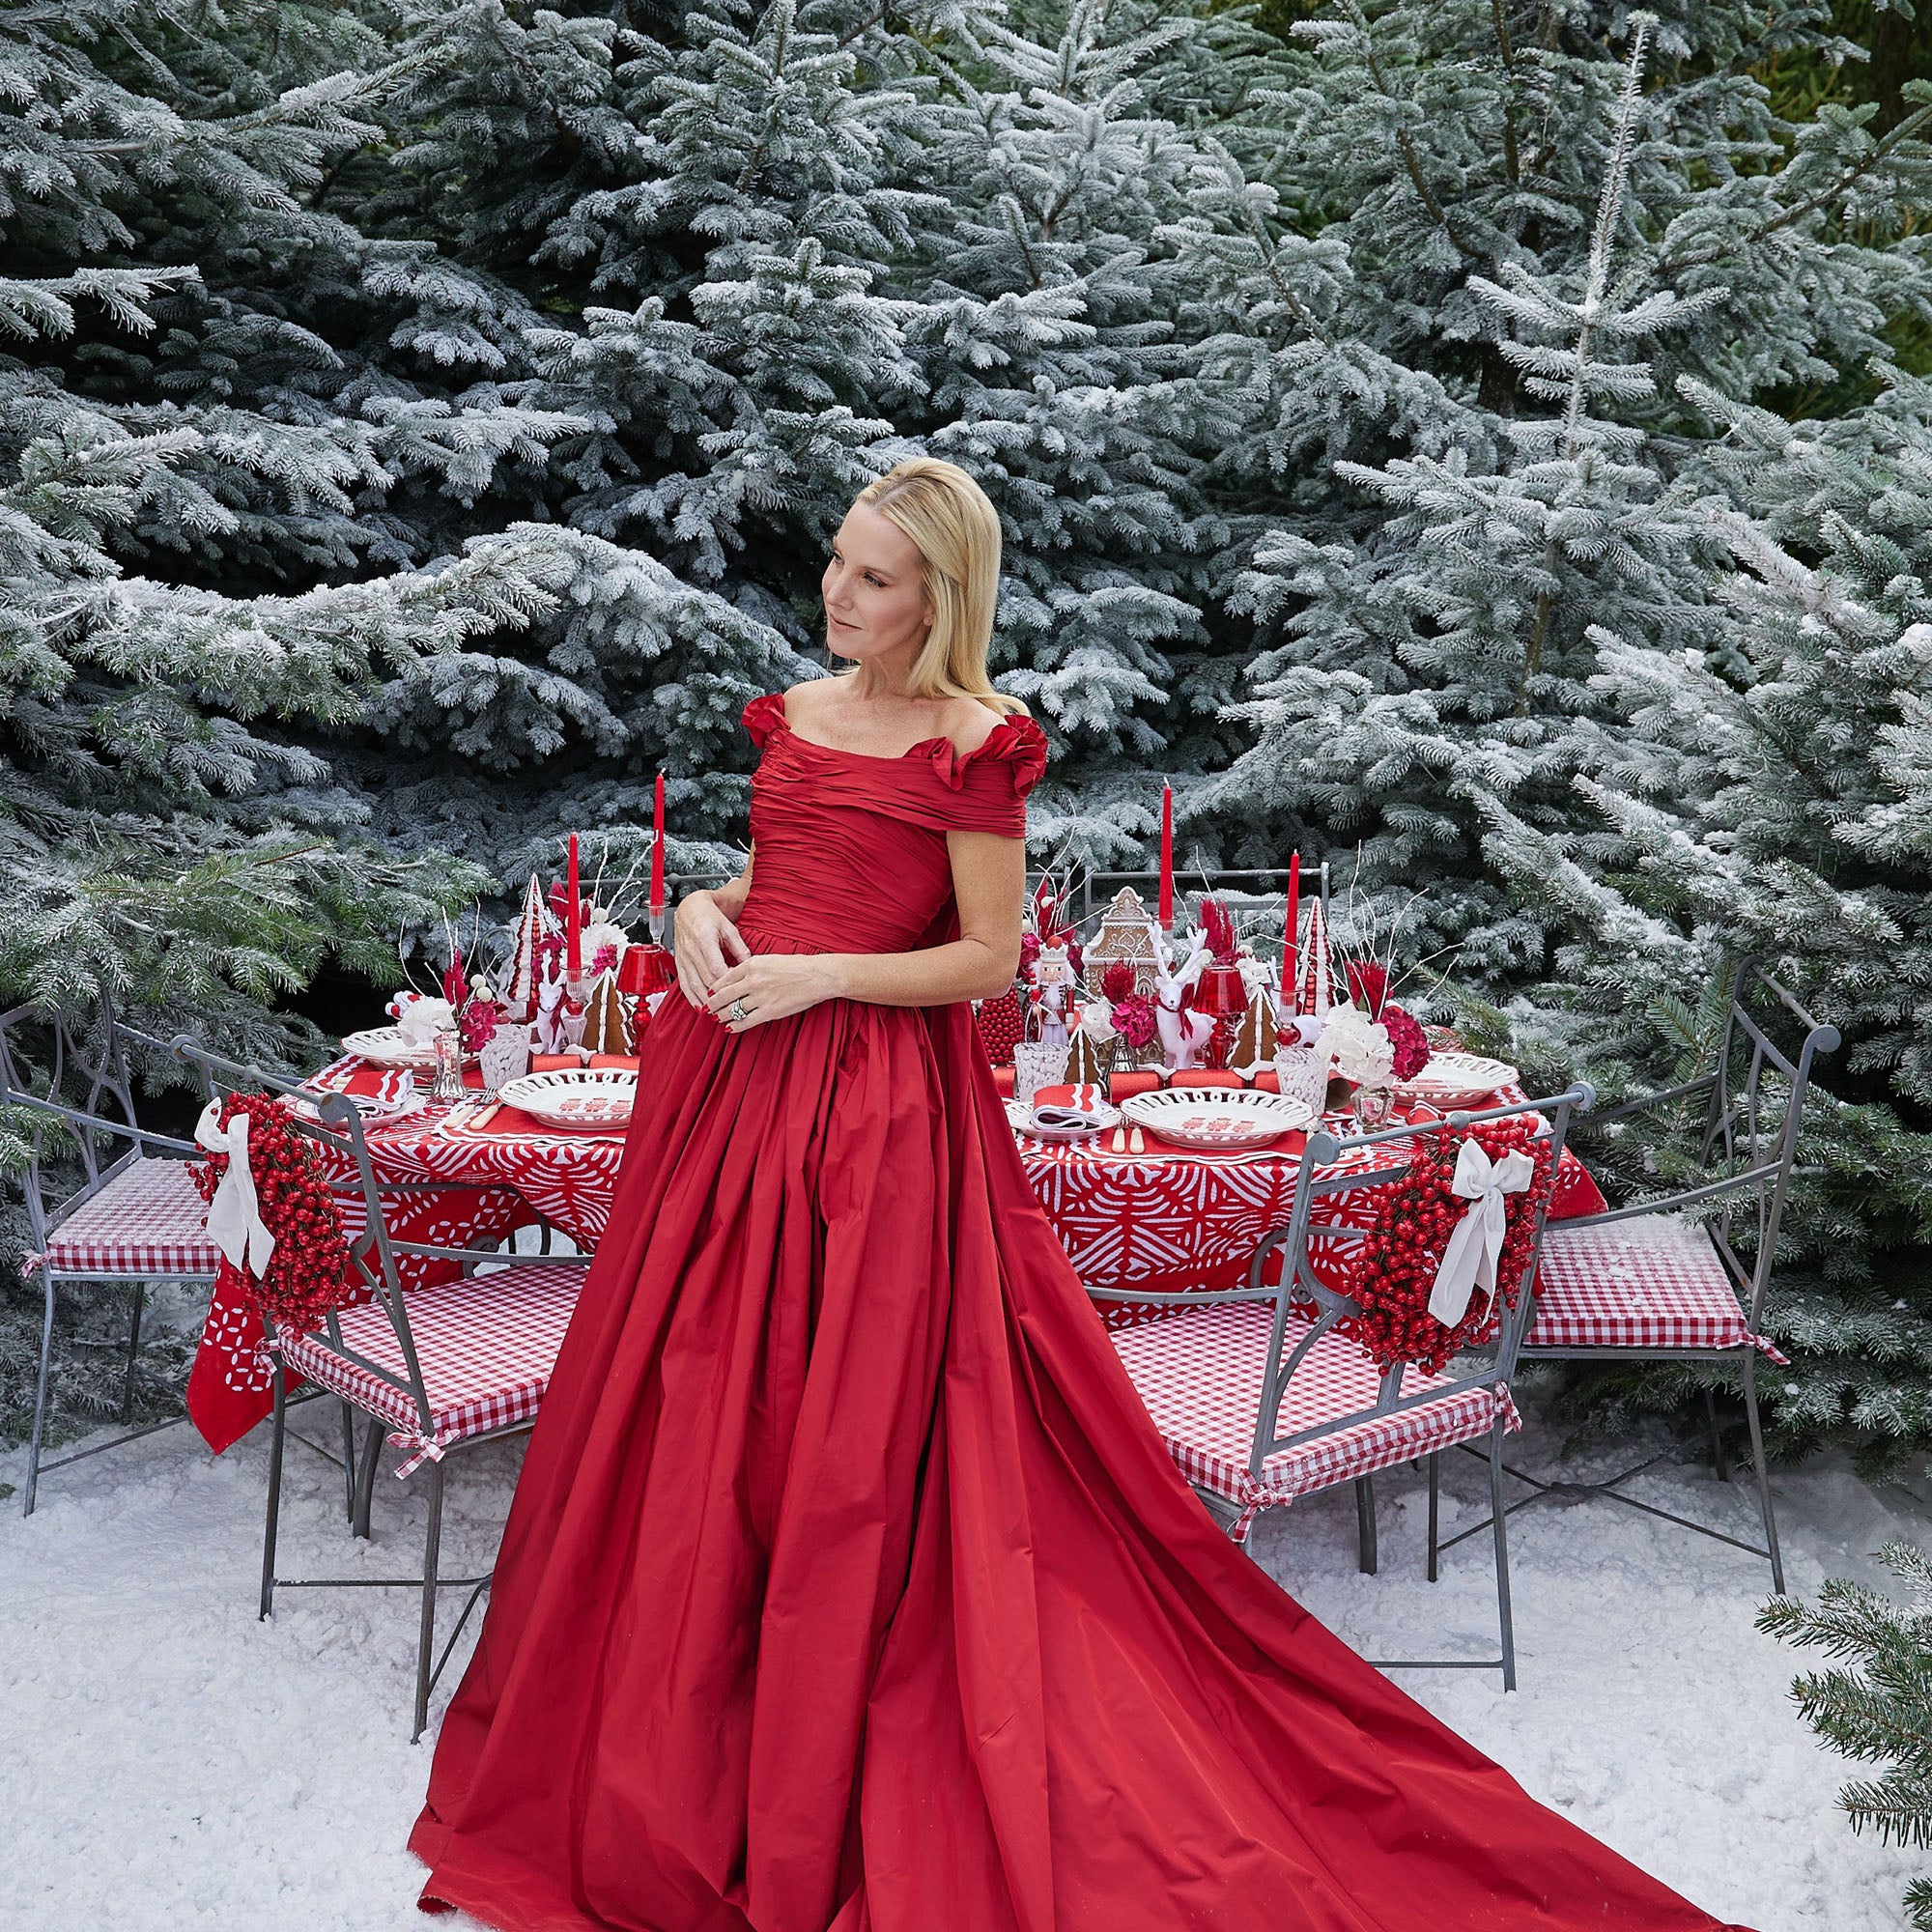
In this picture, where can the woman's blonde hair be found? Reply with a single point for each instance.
(958, 533)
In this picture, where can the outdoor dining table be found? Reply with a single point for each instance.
(1163, 1218)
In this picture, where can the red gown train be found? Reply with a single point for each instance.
(848, 1588)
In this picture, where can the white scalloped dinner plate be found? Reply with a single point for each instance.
(586, 1096)
(1218, 1119)
(389, 1047)
(1457, 1080)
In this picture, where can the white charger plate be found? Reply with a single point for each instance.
(391, 1046)
(1211, 1119)
(585, 1096)
(1457, 1080)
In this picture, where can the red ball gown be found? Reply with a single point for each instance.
(848, 1587)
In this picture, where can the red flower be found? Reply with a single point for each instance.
(477, 1026)
(1406, 1036)
(1135, 1020)
(1117, 982)
(1368, 988)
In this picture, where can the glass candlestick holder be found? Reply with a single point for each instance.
(447, 1089)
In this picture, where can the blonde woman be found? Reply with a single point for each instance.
(848, 1587)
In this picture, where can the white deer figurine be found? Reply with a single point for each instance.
(1182, 1033)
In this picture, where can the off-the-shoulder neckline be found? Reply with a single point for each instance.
(775, 701)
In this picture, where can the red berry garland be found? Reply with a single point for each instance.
(1394, 1273)
(309, 1273)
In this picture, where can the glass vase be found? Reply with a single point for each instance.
(447, 1089)
(504, 1056)
(1302, 1072)
(1037, 1065)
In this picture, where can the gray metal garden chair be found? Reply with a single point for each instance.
(136, 1218)
(436, 1368)
(1261, 1398)
(1682, 1276)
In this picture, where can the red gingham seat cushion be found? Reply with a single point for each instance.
(1652, 1282)
(486, 1345)
(1199, 1371)
(147, 1221)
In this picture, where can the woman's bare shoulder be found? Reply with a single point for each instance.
(801, 700)
(969, 724)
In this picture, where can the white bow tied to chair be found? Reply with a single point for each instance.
(235, 1223)
(1470, 1256)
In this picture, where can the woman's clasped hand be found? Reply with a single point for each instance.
(717, 970)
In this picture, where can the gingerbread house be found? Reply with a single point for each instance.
(1127, 932)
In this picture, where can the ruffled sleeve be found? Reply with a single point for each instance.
(763, 716)
(1015, 743)
(988, 784)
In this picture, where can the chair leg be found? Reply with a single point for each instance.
(272, 1527)
(41, 1399)
(365, 1478)
(348, 1463)
(1365, 1522)
(431, 1556)
(1435, 1510)
(1717, 1462)
(1764, 1504)
(1500, 1518)
(133, 1350)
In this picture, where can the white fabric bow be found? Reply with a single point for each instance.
(235, 1223)
(1469, 1258)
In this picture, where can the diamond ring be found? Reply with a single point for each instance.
(738, 1013)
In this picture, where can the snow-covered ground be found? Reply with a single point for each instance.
(167, 1762)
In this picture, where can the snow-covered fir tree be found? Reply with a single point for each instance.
(419, 424)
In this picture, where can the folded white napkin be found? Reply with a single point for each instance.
(1088, 1108)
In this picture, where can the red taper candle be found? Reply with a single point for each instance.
(572, 920)
(1166, 912)
(657, 904)
(1291, 956)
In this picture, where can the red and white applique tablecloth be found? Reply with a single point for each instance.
(1164, 1219)
(1168, 1219)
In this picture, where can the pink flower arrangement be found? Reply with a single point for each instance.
(603, 959)
(1135, 1020)
(1407, 1039)
(477, 1023)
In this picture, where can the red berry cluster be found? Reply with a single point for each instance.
(309, 1273)
(1001, 1027)
(1394, 1272)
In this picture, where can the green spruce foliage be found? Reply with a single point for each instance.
(1875, 1706)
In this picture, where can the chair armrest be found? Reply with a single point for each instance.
(1703, 1084)
(1663, 1204)
(98, 1123)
